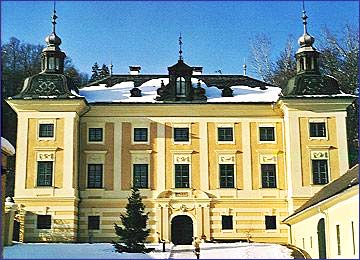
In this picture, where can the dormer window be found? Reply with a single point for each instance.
(180, 87)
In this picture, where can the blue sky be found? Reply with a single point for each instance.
(216, 34)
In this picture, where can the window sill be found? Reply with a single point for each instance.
(225, 142)
(318, 138)
(182, 142)
(271, 230)
(227, 230)
(267, 142)
(140, 142)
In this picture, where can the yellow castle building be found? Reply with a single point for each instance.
(222, 157)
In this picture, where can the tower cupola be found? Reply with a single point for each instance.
(52, 58)
(307, 57)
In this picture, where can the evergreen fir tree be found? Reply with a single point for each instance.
(95, 72)
(104, 71)
(133, 231)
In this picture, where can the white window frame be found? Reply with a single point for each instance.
(44, 229)
(38, 154)
(275, 161)
(95, 157)
(328, 168)
(226, 154)
(186, 125)
(318, 120)
(46, 121)
(141, 157)
(188, 155)
(133, 134)
(266, 125)
(233, 230)
(225, 125)
(95, 125)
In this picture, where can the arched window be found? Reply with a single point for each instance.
(180, 87)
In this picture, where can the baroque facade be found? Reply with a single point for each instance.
(214, 156)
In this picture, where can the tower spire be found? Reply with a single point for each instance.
(304, 17)
(54, 17)
(180, 48)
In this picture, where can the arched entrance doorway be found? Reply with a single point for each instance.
(321, 238)
(182, 230)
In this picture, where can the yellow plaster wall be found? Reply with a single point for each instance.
(195, 157)
(127, 145)
(258, 148)
(215, 148)
(33, 142)
(306, 142)
(107, 147)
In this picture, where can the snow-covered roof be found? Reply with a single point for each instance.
(121, 93)
(7, 147)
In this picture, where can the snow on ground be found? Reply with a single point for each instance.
(106, 251)
(7, 146)
(121, 93)
(244, 251)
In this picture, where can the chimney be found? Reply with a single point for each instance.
(135, 70)
(197, 70)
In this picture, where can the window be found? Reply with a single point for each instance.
(46, 130)
(226, 176)
(140, 134)
(181, 134)
(317, 129)
(268, 175)
(270, 222)
(95, 134)
(44, 173)
(93, 222)
(227, 222)
(181, 175)
(338, 239)
(140, 176)
(180, 87)
(225, 134)
(267, 133)
(95, 175)
(43, 222)
(320, 171)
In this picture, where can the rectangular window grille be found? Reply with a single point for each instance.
(226, 175)
(227, 222)
(268, 175)
(338, 239)
(267, 133)
(225, 134)
(140, 134)
(95, 134)
(320, 171)
(317, 129)
(93, 222)
(181, 134)
(182, 176)
(44, 173)
(46, 130)
(95, 175)
(43, 222)
(140, 176)
(270, 222)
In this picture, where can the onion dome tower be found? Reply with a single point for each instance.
(308, 79)
(51, 81)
